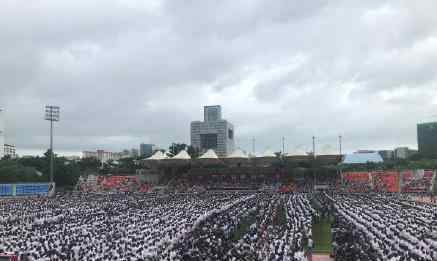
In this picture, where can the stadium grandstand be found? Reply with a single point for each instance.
(289, 208)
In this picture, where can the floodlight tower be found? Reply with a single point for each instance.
(314, 147)
(52, 114)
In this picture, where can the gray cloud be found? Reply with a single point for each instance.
(125, 72)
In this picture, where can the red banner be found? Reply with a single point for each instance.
(357, 181)
(417, 181)
(118, 182)
(386, 181)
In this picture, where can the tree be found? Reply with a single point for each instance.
(127, 164)
(193, 152)
(175, 148)
(89, 164)
(6, 157)
(11, 172)
(29, 169)
(67, 173)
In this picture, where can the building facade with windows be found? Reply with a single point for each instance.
(427, 139)
(387, 155)
(9, 150)
(146, 150)
(213, 132)
(101, 155)
(403, 152)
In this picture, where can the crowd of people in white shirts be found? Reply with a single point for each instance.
(384, 227)
(227, 226)
(155, 227)
(269, 235)
(103, 226)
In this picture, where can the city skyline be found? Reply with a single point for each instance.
(293, 69)
(291, 148)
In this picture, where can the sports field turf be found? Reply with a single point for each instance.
(322, 236)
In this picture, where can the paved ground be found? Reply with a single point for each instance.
(322, 258)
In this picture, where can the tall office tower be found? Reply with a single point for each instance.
(146, 150)
(427, 139)
(213, 132)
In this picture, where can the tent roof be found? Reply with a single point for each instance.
(238, 153)
(209, 154)
(182, 155)
(296, 153)
(157, 156)
(268, 154)
(362, 158)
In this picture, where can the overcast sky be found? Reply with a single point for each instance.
(126, 72)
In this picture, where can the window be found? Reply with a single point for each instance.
(208, 141)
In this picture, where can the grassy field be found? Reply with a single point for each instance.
(244, 227)
(322, 236)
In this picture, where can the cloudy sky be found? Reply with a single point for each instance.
(126, 71)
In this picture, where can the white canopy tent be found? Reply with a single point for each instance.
(157, 156)
(238, 154)
(183, 155)
(209, 154)
(268, 154)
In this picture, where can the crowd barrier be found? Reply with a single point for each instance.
(27, 189)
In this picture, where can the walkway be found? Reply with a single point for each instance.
(320, 257)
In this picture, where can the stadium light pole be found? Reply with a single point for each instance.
(253, 146)
(52, 114)
(314, 147)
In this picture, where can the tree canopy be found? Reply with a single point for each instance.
(36, 169)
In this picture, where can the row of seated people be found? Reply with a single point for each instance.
(222, 182)
(142, 188)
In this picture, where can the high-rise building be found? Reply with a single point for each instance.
(427, 139)
(9, 150)
(213, 132)
(2, 135)
(212, 113)
(146, 150)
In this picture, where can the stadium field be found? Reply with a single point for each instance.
(322, 236)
